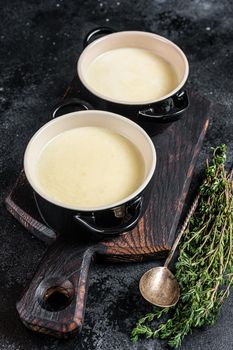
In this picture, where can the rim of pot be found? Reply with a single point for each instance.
(132, 33)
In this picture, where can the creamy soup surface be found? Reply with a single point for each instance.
(131, 75)
(89, 167)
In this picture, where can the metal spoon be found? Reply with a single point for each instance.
(158, 285)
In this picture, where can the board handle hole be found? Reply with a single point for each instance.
(56, 297)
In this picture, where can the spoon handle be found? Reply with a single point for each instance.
(182, 230)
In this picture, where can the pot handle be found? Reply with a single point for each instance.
(95, 34)
(54, 302)
(180, 102)
(111, 231)
(74, 101)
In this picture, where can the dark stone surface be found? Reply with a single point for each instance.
(40, 43)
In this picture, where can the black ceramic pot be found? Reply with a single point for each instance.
(165, 109)
(97, 222)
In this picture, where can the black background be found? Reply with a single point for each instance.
(39, 45)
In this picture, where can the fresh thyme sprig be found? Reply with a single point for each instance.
(205, 265)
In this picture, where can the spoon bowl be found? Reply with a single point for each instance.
(160, 287)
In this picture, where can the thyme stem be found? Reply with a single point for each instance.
(205, 265)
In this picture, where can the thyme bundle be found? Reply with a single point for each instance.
(205, 265)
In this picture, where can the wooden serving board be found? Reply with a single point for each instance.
(177, 148)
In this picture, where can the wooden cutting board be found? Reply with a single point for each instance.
(55, 300)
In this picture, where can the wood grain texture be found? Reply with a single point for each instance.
(20, 203)
(67, 263)
(64, 269)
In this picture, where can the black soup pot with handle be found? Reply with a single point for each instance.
(101, 221)
(165, 109)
